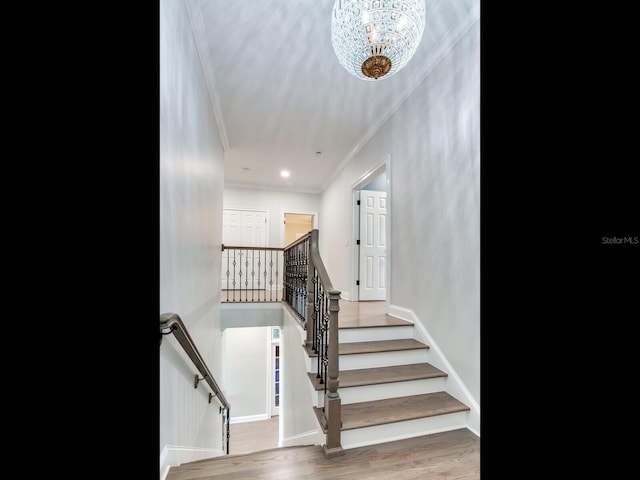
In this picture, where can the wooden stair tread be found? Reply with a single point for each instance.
(380, 346)
(378, 375)
(375, 346)
(391, 410)
(380, 320)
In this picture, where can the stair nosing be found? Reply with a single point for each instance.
(400, 322)
(362, 373)
(378, 419)
(417, 346)
(373, 325)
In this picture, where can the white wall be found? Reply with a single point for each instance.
(276, 203)
(248, 314)
(298, 423)
(191, 183)
(379, 183)
(433, 141)
(247, 371)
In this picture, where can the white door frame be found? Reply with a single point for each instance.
(272, 409)
(383, 167)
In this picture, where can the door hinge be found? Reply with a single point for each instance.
(357, 242)
(358, 282)
(358, 202)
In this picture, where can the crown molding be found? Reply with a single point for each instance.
(273, 188)
(198, 28)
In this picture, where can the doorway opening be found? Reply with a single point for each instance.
(297, 225)
(274, 384)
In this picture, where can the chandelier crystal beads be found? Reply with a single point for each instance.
(374, 39)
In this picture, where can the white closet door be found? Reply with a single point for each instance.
(244, 228)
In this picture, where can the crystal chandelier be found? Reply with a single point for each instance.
(376, 38)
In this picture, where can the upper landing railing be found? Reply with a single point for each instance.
(251, 274)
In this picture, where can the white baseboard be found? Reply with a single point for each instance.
(173, 456)
(454, 384)
(248, 418)
(312, 437)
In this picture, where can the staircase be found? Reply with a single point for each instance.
(388, 390)
(397, 419)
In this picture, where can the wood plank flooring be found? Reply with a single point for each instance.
(366, 314)
(254, 436)
(453, 455)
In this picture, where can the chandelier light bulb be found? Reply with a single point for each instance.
(374, 39)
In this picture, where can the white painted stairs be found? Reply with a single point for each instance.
(388, 390)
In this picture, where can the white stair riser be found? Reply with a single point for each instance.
(312, 363)
(382, 359)
(389, 432)
(370, 334)
(381, 391)
(375, 360)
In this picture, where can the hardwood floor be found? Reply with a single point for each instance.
(453, 455)
(365, 314)
(254, 436)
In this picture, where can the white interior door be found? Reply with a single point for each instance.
(231, 235)
(373, 248)
(245, 228)
(253, 229)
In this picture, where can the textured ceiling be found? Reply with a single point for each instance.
(282, 96)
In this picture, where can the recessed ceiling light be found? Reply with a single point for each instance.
(284, 173)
